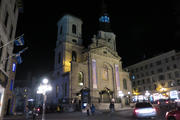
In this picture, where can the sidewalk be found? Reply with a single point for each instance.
(14, 117)
(122, 109)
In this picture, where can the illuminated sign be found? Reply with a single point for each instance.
(174, 94)
(94, 73)
(11, 85)
(14, 67)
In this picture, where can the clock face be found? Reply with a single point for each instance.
(104, 19)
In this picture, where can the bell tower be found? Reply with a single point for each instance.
(69, 30)
(68, 44)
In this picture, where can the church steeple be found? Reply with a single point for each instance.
(104, 20)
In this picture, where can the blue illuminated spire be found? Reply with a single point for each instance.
(104, 20)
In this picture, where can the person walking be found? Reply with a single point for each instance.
(27, 113)
(34, 113)
(111, 107)
(92, 109)
(87, 109)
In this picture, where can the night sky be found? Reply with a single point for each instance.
(143, 28)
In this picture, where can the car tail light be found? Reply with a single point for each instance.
(38, 109)
(167, 102)
(158, 102)
(136, 111)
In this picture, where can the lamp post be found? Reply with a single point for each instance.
(42, 89)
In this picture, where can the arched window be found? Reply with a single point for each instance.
(125, 84)
(80, 79)
(59, 57)
(61, 29)
(105, 73)
(57, 90)
(74, 28)
(65, 90)
(74, 56)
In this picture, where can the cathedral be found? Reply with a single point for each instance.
(89, 75)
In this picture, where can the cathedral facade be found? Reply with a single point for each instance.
(96, 69)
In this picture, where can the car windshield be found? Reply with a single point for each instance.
(143, 105)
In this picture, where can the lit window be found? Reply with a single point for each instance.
(74, 56)
(133, 77)
(81, 78)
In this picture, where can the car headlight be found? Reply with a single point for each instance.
(167, 113)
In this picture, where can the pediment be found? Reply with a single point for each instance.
(105, 51)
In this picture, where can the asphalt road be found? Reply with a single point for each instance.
(118, 115)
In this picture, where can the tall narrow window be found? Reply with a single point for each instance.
(74, 28)
(81, 78)
(61, 29)
(105, 73)
(57, 90)
(6, 19)
(125, 84)
(74, 56)
(65, 89)
(59, 58)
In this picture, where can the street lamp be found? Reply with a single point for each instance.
(42, 89)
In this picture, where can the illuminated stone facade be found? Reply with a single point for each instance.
(97, 68)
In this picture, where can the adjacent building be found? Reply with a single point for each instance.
(158, 76)
(88, 75)
(8, 22)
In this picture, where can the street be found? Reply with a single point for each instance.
(106, 115)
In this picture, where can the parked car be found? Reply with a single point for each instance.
(163, 102)
(173, 115)
(144, 110)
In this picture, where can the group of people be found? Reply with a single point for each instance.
(90, 109)
(27, 110)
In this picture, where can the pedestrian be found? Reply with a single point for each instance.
(34, 113)
(87, 109)
(92, 109)
(27, 112)
(111, 107)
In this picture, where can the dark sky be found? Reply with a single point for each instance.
(142, 27)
